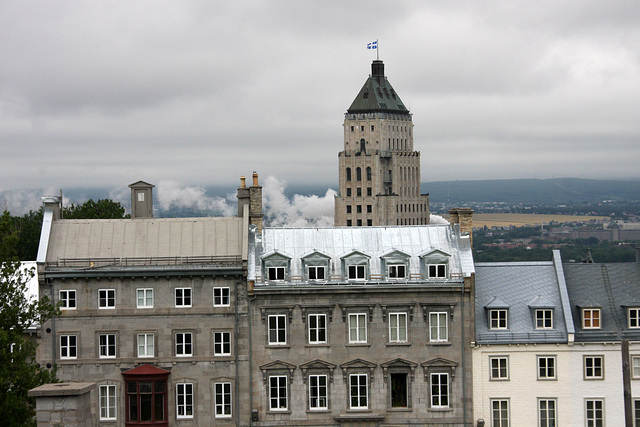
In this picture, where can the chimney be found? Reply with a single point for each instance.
(52, 203)
(463, 216)
(251, 197)
(141, 200)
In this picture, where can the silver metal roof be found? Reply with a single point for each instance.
(373, 242)
(148, 237)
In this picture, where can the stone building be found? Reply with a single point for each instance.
(364, 325)
(379, 171)
(153, 311)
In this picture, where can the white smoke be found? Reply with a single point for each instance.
(171, 194)
(437, 219)
(300, 211)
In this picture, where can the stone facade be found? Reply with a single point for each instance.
(64, 404)
(379, 171)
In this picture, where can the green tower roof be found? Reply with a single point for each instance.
(377, 94)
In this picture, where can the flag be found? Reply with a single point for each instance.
(372, 45)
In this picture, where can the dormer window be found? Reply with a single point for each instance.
(276, 267)
(436, 264)
(437, 271)
(357, 272)
(634, 318)
(316, 272)
(356, 266)
(397, 271)
(316, 266)
(544, 319)
(591, 318)
(498, 319)
(276, 273)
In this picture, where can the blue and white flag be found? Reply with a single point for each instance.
(372, 45)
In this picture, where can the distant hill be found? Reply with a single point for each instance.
(557, 190)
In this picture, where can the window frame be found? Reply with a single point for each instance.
(317, 328)
(70, 346)
(223, 400)
(357, 329)
(222, 290)
(187, 396)
(107, 393)
(393, 271)
(399, 327)
(183, 297)
(318, 396)
(438, 327)
(591, 319)
(499, 319)
(183, 347)
(591, 372)
(635, 367)
(545, 371)
(438, 274)
(499, 369)
(593, 421)
(64, 302)
(144, 304)
(359, 272)
(439, 387)
(278, 387)
(280, 273)
(109, 299)
(500, 421)
(633, 319)
(317, 268)
(145, 345)
(360, 387)
(544, 319)
(107, 346)
(543, 413)
(221, 343)
(278, 330)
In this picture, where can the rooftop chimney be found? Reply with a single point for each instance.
(251, 197)
(463, 216)
(141, 200)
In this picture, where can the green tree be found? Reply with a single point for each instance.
(9, 235)
(101, 209)
(19, 371)
(29, 226)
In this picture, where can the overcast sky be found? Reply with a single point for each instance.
(105, 93)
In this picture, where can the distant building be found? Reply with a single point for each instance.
(379, 171)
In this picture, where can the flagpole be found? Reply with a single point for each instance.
(377, 50)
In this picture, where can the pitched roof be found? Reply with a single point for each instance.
(377, 94)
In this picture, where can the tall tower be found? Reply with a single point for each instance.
(378, 168)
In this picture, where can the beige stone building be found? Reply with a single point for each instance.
(379, 171)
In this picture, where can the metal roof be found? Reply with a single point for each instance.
(372, 242)
(518, 287)
(145, 238)
(377, 95)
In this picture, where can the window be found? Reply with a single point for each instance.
(278, 393)
(369, 169)
(349, 171)
(68, 346)
(369, 222)
(221, 297)
(397, 327)
(546, 367)
(357, 328)
(145, 345)
(594, 412)
(547, 413)
(316, 272)
(499, 368)
(359, 223)
(369, 193)
(358, 208)
(437, 271)
(399, 390)
(184, 344)
(107, 397)
(439, 390)
(397, 271)
(635, 367)
(145, 298)
(318, 392)
(357, 272)
(221, 343)
(223, 400)
(593, 367)
(184, 400)
(277, 329)
(498, 319)
(348, 209)
(590, 318)
(358, 391)
(348, 192)
(348, 223)
(146, 400)
(106, 298)
(369, 208)
(107, 346)
(68, 300)
(359, 192)
(358, 174)
(499, 413)
(183, 297)
(544, 319)
(634, 317)
(438, 330)
(317, 328)
(276, 273)
(636, 413)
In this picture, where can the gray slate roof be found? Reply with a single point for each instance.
(521, 287)
(377, 95)
(336, 242)
(148, 237)
(611, 287)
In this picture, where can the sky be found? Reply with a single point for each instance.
(188, 94)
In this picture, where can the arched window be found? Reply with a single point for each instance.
(358, 174)
(348, 174)
(369, 174)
